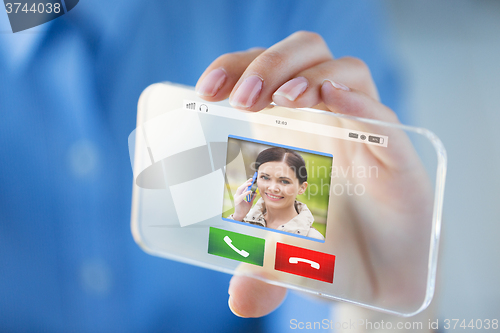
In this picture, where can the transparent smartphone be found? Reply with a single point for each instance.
(363, 197)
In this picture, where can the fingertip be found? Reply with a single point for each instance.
(282, 100)
(299, 92)
(292, 89)
(251, 298)
(232, 308)
(212, 83)
(337, 97)
(342, 99)
(246, 95)
(336, 85)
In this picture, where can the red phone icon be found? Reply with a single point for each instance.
(308, 263)
(295, 260)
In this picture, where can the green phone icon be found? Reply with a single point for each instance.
(229, 242)
(236, 246)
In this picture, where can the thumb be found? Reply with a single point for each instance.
(250, 298)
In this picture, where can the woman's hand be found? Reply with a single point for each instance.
(300, 71)
(241, 206)
(297, 72)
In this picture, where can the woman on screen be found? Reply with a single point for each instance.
(281, 176)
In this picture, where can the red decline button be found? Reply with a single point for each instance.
(304, 262)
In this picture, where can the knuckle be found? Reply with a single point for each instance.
(234, 57)
(358, 64)
(393, 116)
(327, 68)
(256, 49)
(226, 57)
(309, 36)
(271, 59)
(362, 73)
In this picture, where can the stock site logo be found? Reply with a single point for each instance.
(30, 13)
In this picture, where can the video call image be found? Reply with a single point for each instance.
(282, 188)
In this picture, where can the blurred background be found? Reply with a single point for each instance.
(449, 57)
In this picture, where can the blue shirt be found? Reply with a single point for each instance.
(68, 97)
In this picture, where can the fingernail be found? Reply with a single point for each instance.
(212, 83)
(247, 92)
(337, 85)
(293, 88)
(231, 307)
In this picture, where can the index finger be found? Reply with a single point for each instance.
(217, 81)
(260, 73)
(275, 66)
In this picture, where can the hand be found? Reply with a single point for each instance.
(300, 71)
(241, 206)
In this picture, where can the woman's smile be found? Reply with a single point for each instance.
(273, 197)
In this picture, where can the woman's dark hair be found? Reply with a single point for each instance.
(291, 158)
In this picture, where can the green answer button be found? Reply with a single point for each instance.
(233, 245)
